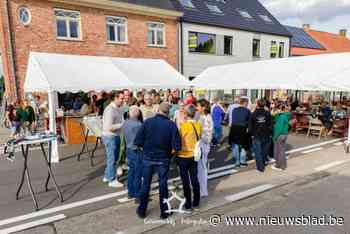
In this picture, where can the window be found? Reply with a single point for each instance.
(116, 29)
(266, 18)
(214, 9)
(273, 50)
(187, 3)
(156, 34)
(281, 50)
(24, 16)
(68, 24)
(245, 14)
(228, 45)
(202, 43)
(256, 48)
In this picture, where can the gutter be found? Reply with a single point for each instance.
(125, 7)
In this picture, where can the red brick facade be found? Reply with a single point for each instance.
(40, 36)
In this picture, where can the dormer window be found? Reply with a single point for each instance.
(245, 14)
(214, 9)
(187, 3)
(266, 18)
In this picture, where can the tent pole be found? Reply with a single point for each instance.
(52, 98)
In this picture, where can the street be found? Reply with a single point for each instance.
(314, 184)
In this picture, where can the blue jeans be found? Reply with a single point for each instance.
(239, 155)
(261, 148)
(112, 144)
(217, 134)
(134, 174)
(148, 168)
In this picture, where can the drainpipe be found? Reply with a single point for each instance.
(10, 53)
(181, 47)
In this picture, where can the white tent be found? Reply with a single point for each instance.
(150, 73)
(72, 73)
(54, 73)
(330, 72)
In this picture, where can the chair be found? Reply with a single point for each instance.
(340, 127)
(315, 127)
(302, 123)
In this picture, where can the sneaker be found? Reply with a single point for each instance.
(166, 215)
(273, 167)
(120, 171)
(105, 180)
(244, 165)
(115, 184)
(196, 209)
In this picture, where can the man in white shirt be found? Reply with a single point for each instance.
(113, 119)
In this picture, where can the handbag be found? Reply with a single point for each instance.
(197, 152)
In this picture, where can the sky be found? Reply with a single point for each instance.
(323, 15)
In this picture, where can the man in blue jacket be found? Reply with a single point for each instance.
(159, 138)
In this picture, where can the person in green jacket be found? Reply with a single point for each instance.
(280, 135)
(28, 117)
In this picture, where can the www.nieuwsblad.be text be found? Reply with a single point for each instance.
(304, 220)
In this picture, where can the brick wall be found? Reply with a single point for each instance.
(40, 35)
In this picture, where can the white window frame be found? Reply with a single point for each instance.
(29, 15)
(279, 49)
(231, 48)
(116, 28)
(155, 32)
(68, 19)
(259, 47)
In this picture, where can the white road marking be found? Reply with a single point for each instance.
(312, 150)
(249, 192)
(315, 145)
(329, 165)
(61, 208)
(221, 168)
(339, 143)
(32, 224)
(220, 174)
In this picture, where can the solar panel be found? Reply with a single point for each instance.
(302, 39)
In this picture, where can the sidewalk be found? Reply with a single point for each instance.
(121, 217)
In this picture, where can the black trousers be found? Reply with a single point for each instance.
(188, 173)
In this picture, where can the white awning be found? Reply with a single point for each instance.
(150, 73)
(58, 72)
(328, 72)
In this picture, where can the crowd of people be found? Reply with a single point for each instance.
(21, 117)
(160, 130)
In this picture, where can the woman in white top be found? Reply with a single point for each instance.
(205, 120)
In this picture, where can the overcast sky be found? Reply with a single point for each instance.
(324, 15)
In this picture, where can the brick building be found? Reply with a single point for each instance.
(119, 28)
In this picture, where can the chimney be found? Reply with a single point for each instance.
(343, 32)
(306, 26)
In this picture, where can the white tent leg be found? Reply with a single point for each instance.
(348, 140)
(52, 96)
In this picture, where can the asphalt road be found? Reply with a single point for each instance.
(323, 194)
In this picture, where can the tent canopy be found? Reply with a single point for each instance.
(72, 73)
(330, 72)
